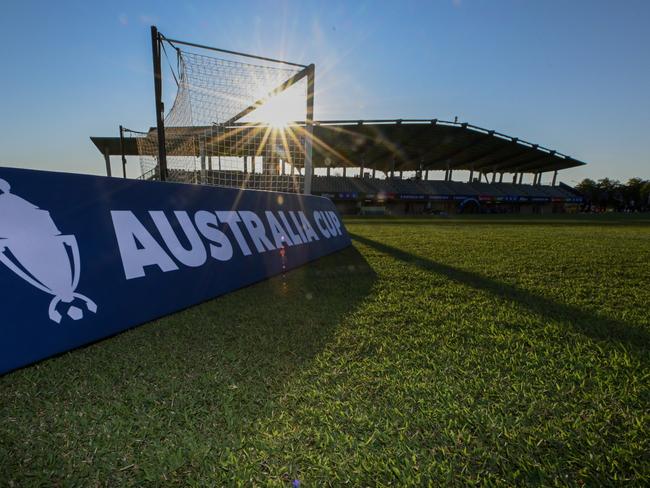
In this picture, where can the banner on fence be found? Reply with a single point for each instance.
(85, 257)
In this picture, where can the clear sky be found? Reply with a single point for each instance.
(570, 75)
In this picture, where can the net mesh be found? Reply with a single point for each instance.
(230, 125)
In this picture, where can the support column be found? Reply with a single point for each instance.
(328, 171)
(554, 178)
(344, 171)
(521, 177)
(107, 160)
(374, 172)
(514, 178)
(361, 170)
(160, 108)
(122, 151)
(309, 122)
(451, 174)
(202, 155)
(245, 164)
(494, 177)
(500, 177)
(426, 175)
(210, 163)
(252, 164)
(471, 175)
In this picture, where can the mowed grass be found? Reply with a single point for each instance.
(442, 352)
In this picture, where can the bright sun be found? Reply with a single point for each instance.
(278, 118)
(281, 110)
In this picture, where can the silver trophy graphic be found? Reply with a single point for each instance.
(33, 247)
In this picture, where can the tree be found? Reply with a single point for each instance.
(644, 195)
(633, 192)
(608, 193)
(588, 189)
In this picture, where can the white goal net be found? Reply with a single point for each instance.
(236, 122)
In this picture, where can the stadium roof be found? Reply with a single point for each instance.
(408, 144)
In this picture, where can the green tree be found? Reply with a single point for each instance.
(588, 189)
(633, 191)
(608, 193)
(644, 195)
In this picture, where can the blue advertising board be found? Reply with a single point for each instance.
(411, 196)
(85, 257)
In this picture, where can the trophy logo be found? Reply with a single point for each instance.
(34, 249)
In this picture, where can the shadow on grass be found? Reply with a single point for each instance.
(585, 322)
(169, 398)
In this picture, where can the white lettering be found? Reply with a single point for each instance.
(196, 255)
(255, 229)
(280, 236)
(295, 238)
(310, 233)
(137, 246)
(335, 220)
(207, 224)
(321, 226)
(298, 226)
(190, 240)
(231, 218)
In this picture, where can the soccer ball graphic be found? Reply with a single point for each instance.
(34, 249)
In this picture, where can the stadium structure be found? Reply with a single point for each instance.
(220, 131)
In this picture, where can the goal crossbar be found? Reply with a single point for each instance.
(305, 73)
(226, 51)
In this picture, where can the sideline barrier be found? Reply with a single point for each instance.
(85, 257)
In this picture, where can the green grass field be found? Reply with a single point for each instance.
(493, 351)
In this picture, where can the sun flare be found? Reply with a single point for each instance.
(281, 110)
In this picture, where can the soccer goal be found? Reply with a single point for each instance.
(238, 120)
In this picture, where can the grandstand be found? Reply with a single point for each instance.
(393, 166)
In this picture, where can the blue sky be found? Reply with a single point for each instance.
(570, 75)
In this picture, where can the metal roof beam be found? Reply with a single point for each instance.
(441, 140)
(524, 165)
(513, 157)
(493, 150)
(446, 158)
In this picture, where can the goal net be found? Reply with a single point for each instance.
(236, 122)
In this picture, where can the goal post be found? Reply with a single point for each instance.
(156, 45)
(237, 120)
(309, 169)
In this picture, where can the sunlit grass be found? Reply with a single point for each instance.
(488, 351)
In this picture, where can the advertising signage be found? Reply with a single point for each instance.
(85, 257)
(410, 196)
